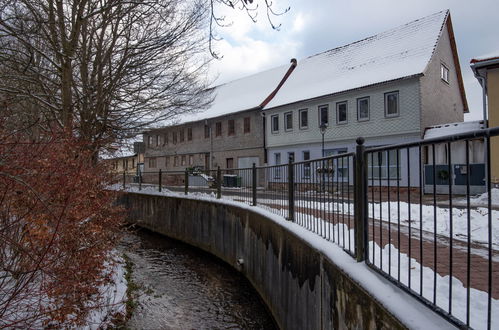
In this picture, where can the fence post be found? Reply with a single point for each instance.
(254, 184)
(124, 180)
(219, 183)
(140, 180)
(159, 180)
(186, 182)
(291, 190)
(360, 201)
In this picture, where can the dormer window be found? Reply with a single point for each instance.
(444, 73)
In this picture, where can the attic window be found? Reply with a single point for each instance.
(444, 73)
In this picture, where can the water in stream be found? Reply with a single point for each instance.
(182, 287)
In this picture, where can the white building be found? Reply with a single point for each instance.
(386, 88)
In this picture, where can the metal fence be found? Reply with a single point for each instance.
(409, 213)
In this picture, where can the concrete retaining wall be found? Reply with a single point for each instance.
(302, 288)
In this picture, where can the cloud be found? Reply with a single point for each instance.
(311, 27)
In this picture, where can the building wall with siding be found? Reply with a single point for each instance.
(441, 102)
(408, 121)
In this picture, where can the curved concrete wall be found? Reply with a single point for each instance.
(302, 288)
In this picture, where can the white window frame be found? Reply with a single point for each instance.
(300, 112)
(277, 161)
(387, 115)
(444, 73)
(306, 166)
(360, 99)
(338, 104)
(380, 165)
(276, 118)
(286, 114)
(320, 108)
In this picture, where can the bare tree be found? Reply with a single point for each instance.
(104, 69)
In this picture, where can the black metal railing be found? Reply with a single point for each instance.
(407, 210)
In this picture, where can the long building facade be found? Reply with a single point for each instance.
(387, 89)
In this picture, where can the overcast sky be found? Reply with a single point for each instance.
(315, 26)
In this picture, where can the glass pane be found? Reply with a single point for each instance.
(392, 104)
(304, 118)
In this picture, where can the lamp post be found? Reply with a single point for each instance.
(323, 128)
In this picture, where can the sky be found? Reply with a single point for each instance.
(314, 26)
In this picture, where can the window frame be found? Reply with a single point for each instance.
(338, 104)
(218, 129)
(300, 112)
(444, 73)
(368, 99)
(231, 127)
(277, 169)
(320, 108)
(286, 114)
(306, 173)
(207, 131)
(276, 118)
(247, 125)
(181, 135)
(386, 95)
(152, 162)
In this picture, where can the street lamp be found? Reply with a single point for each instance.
(323, 128)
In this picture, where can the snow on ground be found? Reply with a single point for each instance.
(408, 310)
(412, 215)
(113, 298)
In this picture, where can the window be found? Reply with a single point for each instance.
(363, 109)
(337, 167)
(392, 104)
(133, 162)
(444, 73)
(189, 134)
(175, 161)
(288, 121)
(384, 163)
(247, 124)
(275, 123)
(277, 161)
(152, 162)
(191, 159)
(183, 160)
(231, 127)
(165, 139)
(218, 129)
(230, 162)
(149, 140)
(291, 156)
(174, 137)
(303, 118)
(182, 137)
(306, 166)
(206, 131)
(341, 112)
(323, 115)
(125, 164)
(167, 161)
(158, 140)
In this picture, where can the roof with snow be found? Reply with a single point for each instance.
(453, 129)
(241, 94)
(485, 58)
(397, 53)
